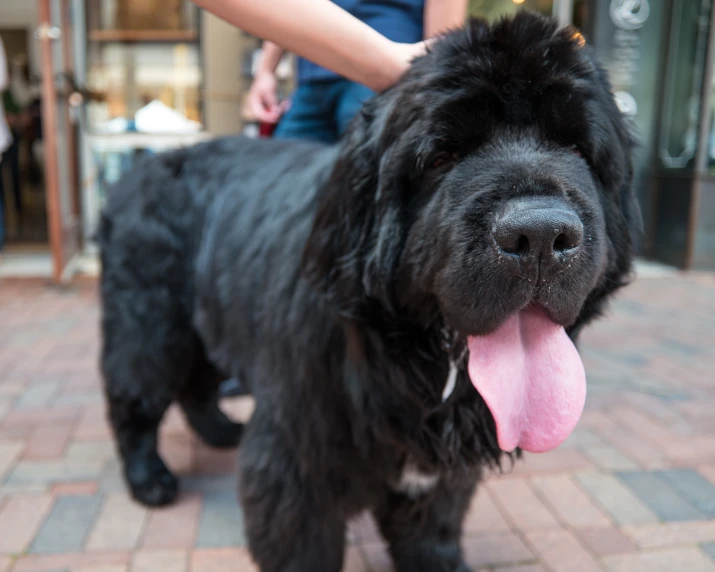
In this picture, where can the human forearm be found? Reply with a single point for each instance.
(270, 58)
(443, 15)
(322, 32)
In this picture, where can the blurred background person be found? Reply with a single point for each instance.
(6, 139)
(324, 102)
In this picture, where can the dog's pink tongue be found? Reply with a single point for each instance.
(531, 378)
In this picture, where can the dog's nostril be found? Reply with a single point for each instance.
(521, 246)
(564, 242)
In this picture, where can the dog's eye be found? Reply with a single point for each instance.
(443, 160)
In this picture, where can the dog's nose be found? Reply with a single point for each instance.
(543, 230)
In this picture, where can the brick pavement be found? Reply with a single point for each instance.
(632, 490)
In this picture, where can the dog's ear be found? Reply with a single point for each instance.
(357, 232)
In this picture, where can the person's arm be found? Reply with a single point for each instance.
(443, 15)
(324, 33)
(263, 96)
(4, 73)
(271, 55)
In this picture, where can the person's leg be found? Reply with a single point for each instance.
(2, 206)
(14, 164)
(310, 116)
(352, 97)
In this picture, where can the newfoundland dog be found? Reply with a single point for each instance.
(403, 306)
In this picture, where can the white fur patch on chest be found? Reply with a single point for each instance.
(414, 482)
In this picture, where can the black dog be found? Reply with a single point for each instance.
(398, 304)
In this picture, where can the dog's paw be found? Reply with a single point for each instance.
(153, 484)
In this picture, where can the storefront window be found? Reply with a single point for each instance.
(683, 83)
(143, 67)
(493, 9)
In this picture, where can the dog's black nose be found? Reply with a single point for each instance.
(544, 230)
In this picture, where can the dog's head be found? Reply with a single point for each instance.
(491, 189)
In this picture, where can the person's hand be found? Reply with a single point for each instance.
(401, 57)
(263, 98)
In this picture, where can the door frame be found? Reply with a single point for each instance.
(64, 231)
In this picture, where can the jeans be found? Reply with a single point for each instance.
(10, 160)
(322, 111)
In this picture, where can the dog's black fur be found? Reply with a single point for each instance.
(327, 278)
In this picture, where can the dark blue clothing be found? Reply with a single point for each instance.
(397, 20)
(321, 111)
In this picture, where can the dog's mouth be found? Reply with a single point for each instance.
(531, 377)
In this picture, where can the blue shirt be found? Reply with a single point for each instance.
(397, 20)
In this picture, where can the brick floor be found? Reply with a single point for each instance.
(632, 489)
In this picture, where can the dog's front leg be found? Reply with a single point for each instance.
(424, 531)
(288, 530)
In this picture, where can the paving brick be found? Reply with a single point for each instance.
(617, 500)
(38, 395)
(582, 438)
(483, 516)
(119, 525)
(67, 525)
(174, 526)
(493, 549)
(633, 447)
(221, 560)
(605, 541)
(670, 560)
(569, 502)
(709, 549)
(99, 451)
(174, 424)
(209, 483)
(47, 442)
(178, 453)
(70, 561)
(11, 389)
(708, 471)
(214, 461)
(557, 461)
(10, 452)
(354, 561)
(47, 472)
(74, 489)
(560, 550)
(112, 480)
(20, 519)
(40, 416)
(609, 458)
(697, 490)
(160, 560)
(377, 557)
(525, 568)
(363, 530)
(672, 533)
(92, 427)
(520, 504)
(221, 522)
(660, 496)
(101, 568)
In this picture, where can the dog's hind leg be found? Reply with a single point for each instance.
(290, 528)
(199, 400)
(424, 532)
(148, 349)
